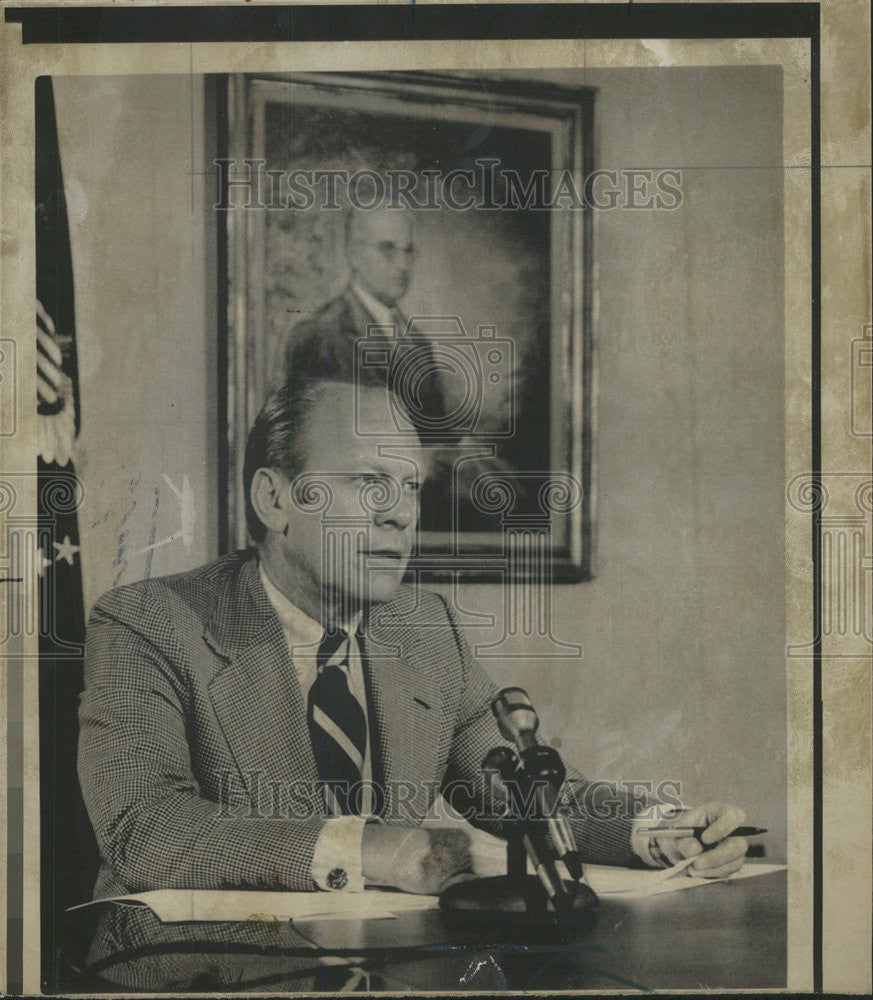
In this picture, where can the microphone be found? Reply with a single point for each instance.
(525, 786)
(542, 766)
(501, 765)
(516, 717)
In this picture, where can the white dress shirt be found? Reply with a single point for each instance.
(337, 860)
(382, 314)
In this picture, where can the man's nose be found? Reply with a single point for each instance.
(400, 514)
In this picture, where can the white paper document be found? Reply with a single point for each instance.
(631, 883)
(178, 905)
(489, 858)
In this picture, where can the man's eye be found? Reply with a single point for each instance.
(413, 486)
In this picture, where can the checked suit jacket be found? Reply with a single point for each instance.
(193, 733)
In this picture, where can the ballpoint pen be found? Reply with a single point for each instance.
(696, 831)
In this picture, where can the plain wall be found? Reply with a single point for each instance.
(134, 172)
(683, 670)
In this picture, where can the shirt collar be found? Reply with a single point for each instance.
(302, 629)
(384, 315)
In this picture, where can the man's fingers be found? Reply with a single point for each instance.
(448, 859)
(688, 847)
(721, 822)
(728, 855)
(721, 872)
(417, 860)
(449, 852)
(460, 877)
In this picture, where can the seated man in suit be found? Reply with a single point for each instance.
(283, 718)
(380, 252)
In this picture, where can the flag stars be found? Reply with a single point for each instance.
(41, 561)
(66, 550)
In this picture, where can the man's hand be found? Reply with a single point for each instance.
(725, 857)
(425, 860)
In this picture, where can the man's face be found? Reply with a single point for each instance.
(354, 550)
(380, 253)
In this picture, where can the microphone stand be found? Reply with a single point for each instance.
(527, 785)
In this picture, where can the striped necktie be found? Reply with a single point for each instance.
(337, 726)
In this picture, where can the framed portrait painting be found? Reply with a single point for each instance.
(487, 328)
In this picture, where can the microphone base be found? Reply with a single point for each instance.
(517, 905)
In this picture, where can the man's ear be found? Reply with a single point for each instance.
(270, 494)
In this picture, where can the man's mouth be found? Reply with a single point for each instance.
(392, 554)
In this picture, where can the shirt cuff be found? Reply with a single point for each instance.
(336, 863)
(644, 845)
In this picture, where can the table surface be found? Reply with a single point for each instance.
(728, 935)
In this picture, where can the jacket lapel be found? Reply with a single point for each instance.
(360, 315)
(256, 695)
(261, 709)
(408, 708)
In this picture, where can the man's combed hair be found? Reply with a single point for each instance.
(275, 439)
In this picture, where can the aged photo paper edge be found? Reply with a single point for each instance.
(845, 262)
